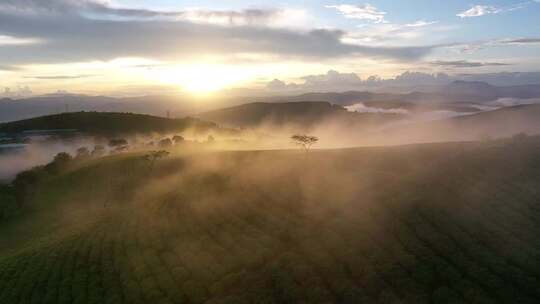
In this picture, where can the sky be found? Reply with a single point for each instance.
(145, 47)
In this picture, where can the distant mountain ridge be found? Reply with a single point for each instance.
(175, 106)
(457, 91)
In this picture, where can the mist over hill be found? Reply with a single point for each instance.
(269, 152)
(414, 224)
(304, 115)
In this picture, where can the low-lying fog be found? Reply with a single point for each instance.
(15, 158)
(416, 127)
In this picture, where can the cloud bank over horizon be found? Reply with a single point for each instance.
(337, 81)
(85, 43)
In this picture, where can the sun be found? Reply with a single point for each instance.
(204, 84)
(203, 79)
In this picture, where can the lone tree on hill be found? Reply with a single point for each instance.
(304, 141)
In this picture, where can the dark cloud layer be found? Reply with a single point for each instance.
(82, 7)
(465, 64)
(62, 77)
(9, 68)
(521, 41)
(68, 35)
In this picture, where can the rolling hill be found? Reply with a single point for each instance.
(504, 122)
(98, 123)
(292, 114)
(446, 223)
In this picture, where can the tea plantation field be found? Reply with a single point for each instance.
(441, 223)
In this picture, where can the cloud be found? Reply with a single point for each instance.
(10, 40)
(337, 81)
(62, 77)
(383, 32)
(420, 23)
(520, 41)
(479, 10)
(73, 38)
(9, 68)
(504, 78)
(279, 85)
(465, 64)
(332, 78)
(18, 92)
(379, 29)
(361, 12)
(102, 9)
(476, 46)
(362, 108)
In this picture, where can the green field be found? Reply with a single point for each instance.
(437, 223)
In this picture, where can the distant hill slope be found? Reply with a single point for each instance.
(106, 123)
(299, 114)
(177, 106)
(421, 224)
(503, 122)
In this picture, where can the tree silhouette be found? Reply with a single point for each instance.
(59, 163)
(118, 142)
(165, 143)
(304, 141)
(177, 139)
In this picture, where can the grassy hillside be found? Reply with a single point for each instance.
(446, 223)
(100, 123)
(296, 114)
(504, 122)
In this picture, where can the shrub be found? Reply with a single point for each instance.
(24, 183)
(59, 163)
(119, 142)
(177, 139)
(82, 153)
(8, 202)
(164, 143)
